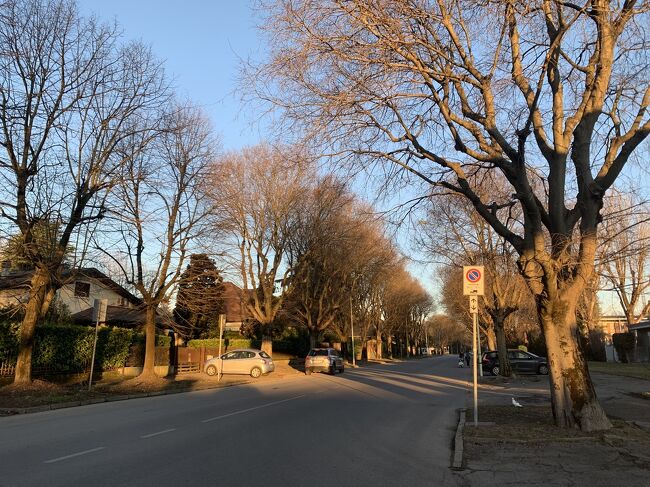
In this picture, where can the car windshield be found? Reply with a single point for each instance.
(264, 355)
(319, 352)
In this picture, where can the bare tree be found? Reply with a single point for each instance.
(405, 305)
(69, 95)
(626, 256)
(256, 194)
(446, 332)
(162, 213)
(461, 237)
(552, 95)
(320, 255)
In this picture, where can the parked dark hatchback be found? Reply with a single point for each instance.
(521, 362)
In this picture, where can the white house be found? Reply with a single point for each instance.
(78, 293)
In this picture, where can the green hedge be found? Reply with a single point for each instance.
(69, 348)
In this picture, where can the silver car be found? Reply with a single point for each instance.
(248, 361)
(323, 360)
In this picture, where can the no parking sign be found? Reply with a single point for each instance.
(473, 280)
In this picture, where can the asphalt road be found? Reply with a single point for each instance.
(383, 425)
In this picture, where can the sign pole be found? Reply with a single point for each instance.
(222, 318)
(473, 286)
(99, 313)
(475, 364)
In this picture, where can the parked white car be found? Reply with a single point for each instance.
(248, 361)
(323, 360)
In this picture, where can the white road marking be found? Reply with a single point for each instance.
(252, 409)
(85, 452)
(158, 433)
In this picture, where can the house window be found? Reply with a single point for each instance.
(81, 289)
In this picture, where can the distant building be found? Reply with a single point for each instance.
(610, 324)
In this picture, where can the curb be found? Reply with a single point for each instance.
(457, 463)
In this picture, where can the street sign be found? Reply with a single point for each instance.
(473, 304)
(99, 310)
(473, 280)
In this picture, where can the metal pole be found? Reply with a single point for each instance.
(221, 320)
(474, 351)
(478, 340)
(92, 362)
(352, 334)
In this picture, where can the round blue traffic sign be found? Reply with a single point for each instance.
(473, 275)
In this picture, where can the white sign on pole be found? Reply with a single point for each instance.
(473, 280)
(473, 304)
(99, 310)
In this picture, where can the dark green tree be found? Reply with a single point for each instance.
(200, 298)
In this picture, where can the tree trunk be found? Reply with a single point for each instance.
(378, 353)
(573, 396)
(389, 346)
(41, 287)
(505, 369)
(148, 368)
(490, 337)
(313, 338)
(267, 344)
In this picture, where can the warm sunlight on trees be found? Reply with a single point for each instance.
(162, 209)
(552, 96)
(70, 93)
(256, 194)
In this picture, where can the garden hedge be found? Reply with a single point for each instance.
(69, 348)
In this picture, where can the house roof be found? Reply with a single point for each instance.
(120, 316)
(232, 302)
(643, 325)
(22, 279)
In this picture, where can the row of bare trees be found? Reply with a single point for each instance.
(101, 163)
(308, 251)
(96, 150)
(550, 97)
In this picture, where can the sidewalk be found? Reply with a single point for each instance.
(522, 445)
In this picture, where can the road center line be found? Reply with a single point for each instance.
(151, 435)
(252, 409)
(85, 452)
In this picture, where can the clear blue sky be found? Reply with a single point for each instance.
(200, 42)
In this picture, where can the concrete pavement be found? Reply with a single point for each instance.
(616, 457)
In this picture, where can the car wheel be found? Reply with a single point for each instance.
(543, 369)
(494, 370)
(211, 370)
(332, 369)
(256, 372)
(307, 371)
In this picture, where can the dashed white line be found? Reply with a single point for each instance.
(85, 452)
(151, 435)
(216, 418)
